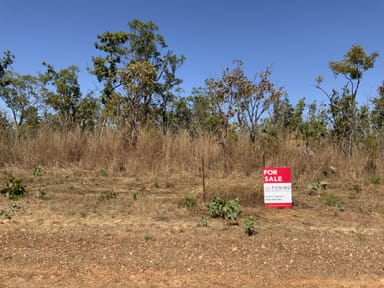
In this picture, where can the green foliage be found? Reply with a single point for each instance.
(356, 191)
(5, 62)
(228, 210)
(42, 194)
(376, 180)
(14, 189)
(249, 224)
(8, 214)
(38, 171)
(215, 208)
(203, 221)
(65, 96)
(104, 172)
(332, 200)
(317, 186)
(5, 214)
(135, 193)
(343, 108)
(138, 74)
(236, 99)
(19, 95)
(188, 202)
(106, 195)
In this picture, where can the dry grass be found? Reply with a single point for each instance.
(233, 169)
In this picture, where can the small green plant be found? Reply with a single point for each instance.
(83, 214)
(41, 194)
(135, 193)
(204, 222)
(215, 208)
(15, 208)
(104, 172)
(332, 201)
(38, 171)
(250, 226)
(15, 189)
(376, 180)
(5, 214)
(71, 188)
(229, 210)
(106, 195)
(317, 186)
(355, 191)
(156, 185)
(188, 202)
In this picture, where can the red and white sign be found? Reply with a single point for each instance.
(277, 187)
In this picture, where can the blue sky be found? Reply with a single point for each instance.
(297, 38)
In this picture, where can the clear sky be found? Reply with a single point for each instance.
(297, 38)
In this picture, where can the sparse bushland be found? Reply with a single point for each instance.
(173, 156)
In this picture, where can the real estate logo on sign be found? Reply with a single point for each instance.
(277, 187)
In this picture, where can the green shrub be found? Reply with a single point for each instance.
(250, 226)
(229, 210)
(106, 195)
(317, 186)
(135, 193)
(188, 202)
(38, 171)
(376, 180)
(14, 190)
(331, 200)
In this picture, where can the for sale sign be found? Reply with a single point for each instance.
(277, 187)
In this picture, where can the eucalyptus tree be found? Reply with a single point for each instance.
(61, 92)
(343, 103)
(5, 62)
(138, 74)
(20, 96)
(241, 102)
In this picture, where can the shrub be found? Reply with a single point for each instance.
(249, 226)
(229, 210)
(332, 200)
(135, 193)
(188, 202)
(14, 190)
(106, 195)
(38, 171)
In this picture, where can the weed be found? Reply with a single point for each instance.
(106, 195)
(83, 214)
(376, 180)
(38, 171)
(14, 190)
(104, 172)
(71, 188)
(5, 214)
(331, 200)
(317, 186)
(188, 202)
(356, 191)
(41, 194)
(156, 185)
(215, 208)
(229, 210)
(135, 193)
(250, 226)
(15, 208)
(204, 221)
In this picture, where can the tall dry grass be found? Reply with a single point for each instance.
(179, 154)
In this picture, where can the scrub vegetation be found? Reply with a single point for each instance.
(125, 176)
